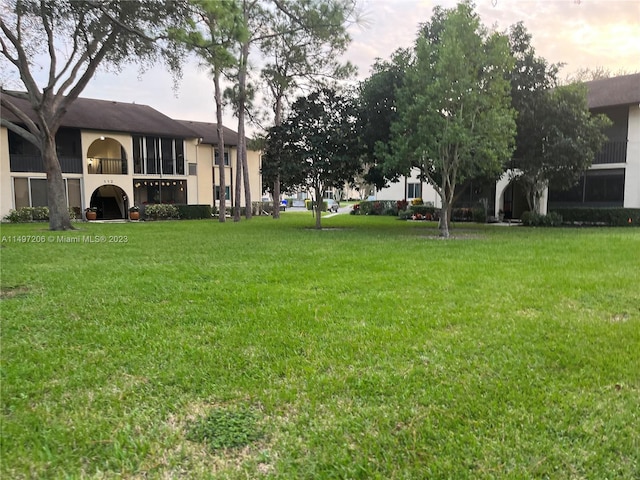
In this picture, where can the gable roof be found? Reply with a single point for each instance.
(614, 91)
(209, 133)
(91, 114)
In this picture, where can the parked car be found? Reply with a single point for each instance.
(332, 205)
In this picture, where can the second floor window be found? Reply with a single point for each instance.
(226, 157)
(158, 155)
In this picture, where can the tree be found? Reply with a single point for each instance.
(219, 24)
(78, 38)
(455, 119)
(557, 137)
(558, 142)
(598, 73)
(377, 111)
(301, 50)
(317, 145)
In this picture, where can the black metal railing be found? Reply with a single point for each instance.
(34, 163)
(612, 152)
(107, 166)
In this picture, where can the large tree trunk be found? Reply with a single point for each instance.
(56, 195)
(242, 100)
(245, 181)
(443, 225)
(318, 208)
(447, 206)
(242, 137)
(237, 192)
(276, 184)
(218, 96)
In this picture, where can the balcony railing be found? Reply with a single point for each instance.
(107, 166)
(34, 163)
(612, 152)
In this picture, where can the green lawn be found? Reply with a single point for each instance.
(371, 349)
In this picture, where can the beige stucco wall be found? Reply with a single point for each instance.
(200, 188)
(95, 181)
(396, 190)
(632, 174)
(6, 190)
(203, 191)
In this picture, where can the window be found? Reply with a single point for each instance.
(226, 157)
(193, 169)
(21, 189)
(74, 196)
(38, 192)
(158, 156)
(168, 159)
(604, 186)
(32, 192)
(227, 192)
(414, 190)
(597, 188)
(138, 154)
(159, 191)
(179, 149)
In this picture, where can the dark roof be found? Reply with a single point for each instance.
(209, 132)
(90, 114)
(610, 92)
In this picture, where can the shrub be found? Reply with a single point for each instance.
(161, 211)
(534, 219)
(427, 212)
(417, 201)
(376, 207)
(402, 205)
(40, 214)
(461, 215)
(13, 216)
(190, 212)
(405, 214)
(600, 216)
(31, 214)
(479, 215)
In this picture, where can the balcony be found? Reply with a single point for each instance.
(612, 152)
(107, 166)
(34, 163)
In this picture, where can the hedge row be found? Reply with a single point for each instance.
(32, 214)
(194, 212)
(533, 219)
(600, 216)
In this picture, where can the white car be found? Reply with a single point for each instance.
(332, 205)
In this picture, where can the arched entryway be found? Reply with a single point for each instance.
(111, 202)
(513, 201)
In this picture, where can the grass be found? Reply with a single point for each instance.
(370, 349)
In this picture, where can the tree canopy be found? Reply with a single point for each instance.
(455, 118)
(377, 111)
(316, 147)
(557, 137)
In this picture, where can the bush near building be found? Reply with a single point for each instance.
(614, 217)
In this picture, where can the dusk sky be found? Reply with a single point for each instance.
(581, 34)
